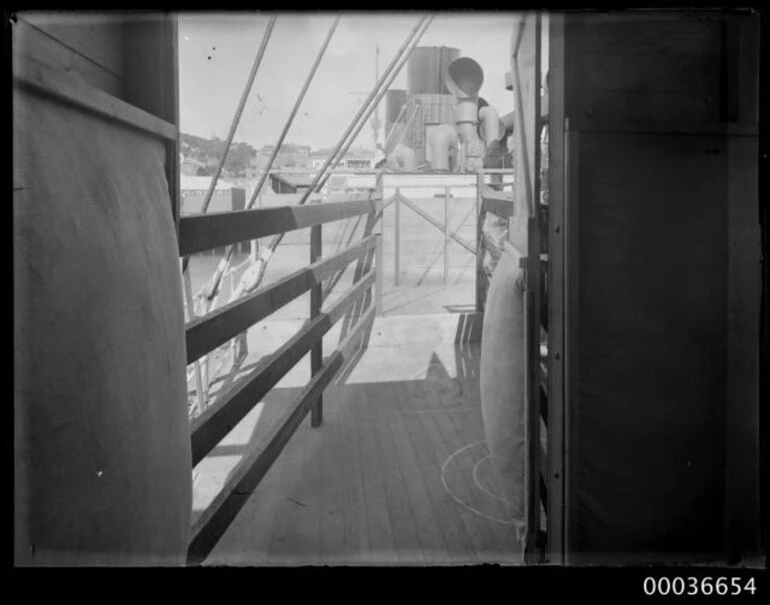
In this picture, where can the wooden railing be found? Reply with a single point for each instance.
(204, 334)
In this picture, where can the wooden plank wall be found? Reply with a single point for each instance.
(134, 62)
(133, 58)
(664, 269)
(742, 509)
(88, 47)
(151, 81)
(652, 66)
(558, 461)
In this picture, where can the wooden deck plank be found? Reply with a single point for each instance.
(259, 518)
(405, 533)
(459, 546)
(432, 542)
(356, 530)
(331, 522)
(453, 478)
(469, 428)
(294, 539)
(366, 487)
(246, 540)
(382, 548)
(501, 544)
(453, 418)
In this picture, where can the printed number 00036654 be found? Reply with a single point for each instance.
(691, 586)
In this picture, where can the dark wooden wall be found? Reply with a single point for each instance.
(102, 448)
(132, 57)
(87, 47)
(663, 261)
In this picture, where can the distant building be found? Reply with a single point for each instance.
(289, 183)
(190, 166)
(356, 158)
(289, 156)
(319, 157)
(193, 191)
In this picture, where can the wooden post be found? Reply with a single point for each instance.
(557, 175)
(397, 234)
(446, 235)
(535, 551)
(379, 270)
(316, 353)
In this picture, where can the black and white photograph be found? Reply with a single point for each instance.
(395, 288)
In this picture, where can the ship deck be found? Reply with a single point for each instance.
(398, 473)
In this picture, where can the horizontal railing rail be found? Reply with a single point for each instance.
(497, 202)
(206, 231)
(213, 330)
(213, 522)
(410, 204)
(218, 420)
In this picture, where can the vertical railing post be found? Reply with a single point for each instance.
(254, 244)
(480, 216)
(188, 295)
(379, 269)
(316, 352)
(446, 235)
(378, 254)
(397, 233)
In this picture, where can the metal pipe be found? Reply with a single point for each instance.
(294, 111)
(239, 110)
(442, 137)
(490, 124)
(464, 79)
(507, 121)
(378, 184)
(446, 235)
(480, 217)
(379, 268)
(411, 41)
(236, 120)
(392, 130)
(397, 235)
(382, 86)
(399, 152)
(216, 279)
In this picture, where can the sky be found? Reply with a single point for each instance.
(216, 52)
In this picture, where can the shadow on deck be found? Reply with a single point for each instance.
(398, 473)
